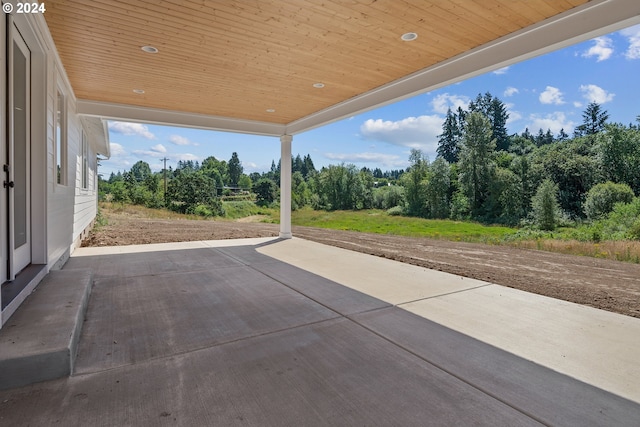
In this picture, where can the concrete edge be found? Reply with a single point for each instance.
(31, 351)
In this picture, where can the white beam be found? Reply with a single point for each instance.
(132, 113)
(592, 19)
(285, 186)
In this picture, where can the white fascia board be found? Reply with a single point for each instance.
(130, 113)
(98, 134)
(590, 20)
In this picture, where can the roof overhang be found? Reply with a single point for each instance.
(576, 24)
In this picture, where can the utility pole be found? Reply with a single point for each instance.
(165, 180)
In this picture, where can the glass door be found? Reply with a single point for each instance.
(19, 156)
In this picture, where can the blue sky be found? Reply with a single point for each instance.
(548, 92)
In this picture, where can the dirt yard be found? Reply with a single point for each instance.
(604, 284)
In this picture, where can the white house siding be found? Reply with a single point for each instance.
(85, 206)
(60, 198)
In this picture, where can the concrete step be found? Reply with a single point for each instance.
(39, 342)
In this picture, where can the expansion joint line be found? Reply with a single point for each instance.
(442, 295)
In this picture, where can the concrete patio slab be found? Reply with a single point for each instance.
(258, 341)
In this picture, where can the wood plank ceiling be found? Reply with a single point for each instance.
(242, 59)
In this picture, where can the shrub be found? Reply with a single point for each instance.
(388, 197)
(203, 210)
(634, 230)
(460, 207)
(546, 210)
(602, 198)
(395, 211)
(622, 222)
(266, 191)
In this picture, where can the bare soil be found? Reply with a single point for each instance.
(604, 284)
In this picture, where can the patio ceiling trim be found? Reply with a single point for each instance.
(146, 115)
(591, 20)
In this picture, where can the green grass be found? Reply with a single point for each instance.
(243, 209)
(566, 240)
(376, 221)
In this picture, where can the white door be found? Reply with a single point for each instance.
(17, 169)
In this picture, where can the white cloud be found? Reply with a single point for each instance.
(502, 70)
(513, 114)
(380, 159)
(415, 132)
(147, 153)
(593, 93)
(159, 148)
(184, 157)
(633, 36)
(180, 140)
(125, 128)
(443, 102)
(554, 121)
(551, 95)
(602, 49)
(116, 149)
(510, 91)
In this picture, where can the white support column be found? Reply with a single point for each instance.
(285, 186)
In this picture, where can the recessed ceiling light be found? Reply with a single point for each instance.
(149, 49)
(271, 110)
(138, 91)
(407, 37)
(318, 85)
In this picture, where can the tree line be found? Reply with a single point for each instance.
(480, 173)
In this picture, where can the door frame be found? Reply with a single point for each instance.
(20, 257)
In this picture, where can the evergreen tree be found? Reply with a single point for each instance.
(498, 118)
(449, 139)
(307, 167)
(593, 120)
(496, 112)
(235, 169)
(297, 165)
(527, 135)
(562, 136)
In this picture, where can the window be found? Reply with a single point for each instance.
(61, 139)
(85, 161)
